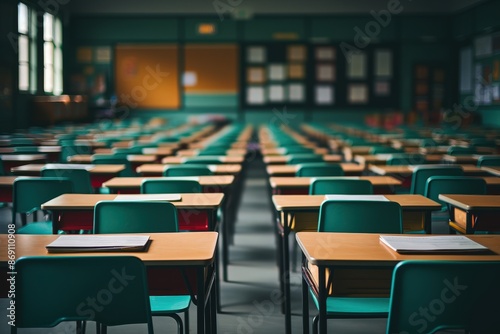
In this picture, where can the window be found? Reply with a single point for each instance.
(52, 54)
(26, 28)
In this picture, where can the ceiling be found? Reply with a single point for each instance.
(252, 7)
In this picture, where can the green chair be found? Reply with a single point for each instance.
(461, 150)
(422, 172)
(2, 169)
(431, 296)
(29, 194)
(106, 159)
(332, 185)
(144, 217)
(41, 304)
(298, 150)
(403, 159)
(485, 161)
(69, 150)
(295, 159)
(204, 160)
(187, 170)
(358, 216)
(165, 186)
(319, 169)
(384, 150)
(79, 177)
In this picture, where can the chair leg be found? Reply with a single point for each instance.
(186, 321)
(315, 324)
(81, 327)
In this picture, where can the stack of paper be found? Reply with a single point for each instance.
(432, 244)
(97, 243)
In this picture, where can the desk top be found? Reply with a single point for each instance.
(195, 152)
(383, 158)
(492, 170)
(356, 249)
(408, 170)
(191, 249)
(291, 169)
(313, 202)
(473, 202)
(283, 159)
(135, 182)
(280, 151)
(137, 158)
(88, 201)
(31, 169)
(224, 159)
(157, 169)
(283, 182)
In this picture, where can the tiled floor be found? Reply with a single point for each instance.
(247, 306)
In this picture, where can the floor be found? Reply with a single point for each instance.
(247, 299)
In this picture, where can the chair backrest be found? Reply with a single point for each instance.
(155, 186)
(135, 217)
(360, 216)
(213, 151)
(461, 150)
(29, 194)
(187, 170)
(2, 170)
(422, 173)
(204, 160)
(403, 159)
(436, 185)
(325, 185)
(427, 296)
(298, 150)
(114, 160)
(488, 161)
(384, 149)
(117, 284)
(295, 159)
(79, 177)
(319, 169)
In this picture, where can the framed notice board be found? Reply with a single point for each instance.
(147, 76)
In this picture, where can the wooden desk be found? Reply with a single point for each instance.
(300, 212)
(405, 171)
(11, 161)
(135, 159)
(98, 173)
(190, 250)
(492, 170)
(381, 159)
(194, 152)
(471, 213)
(461, 159)
(76, 211)
(157, 169)
(350, 169)
(281, 151)
(300, 185)
(283, 159)
(223, 159)
(354, 250)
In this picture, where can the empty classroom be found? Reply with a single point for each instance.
(249, 166)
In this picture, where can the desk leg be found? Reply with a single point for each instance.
(201, 298)
(428, 222)
(305, 301)
(286, 275)
(322, 299)
(279, 256)
(225, 242)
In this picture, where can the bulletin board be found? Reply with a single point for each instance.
(211, 68)
(147, 76)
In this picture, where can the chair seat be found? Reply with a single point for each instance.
(36, 228)
(368, 307)
(169, 304)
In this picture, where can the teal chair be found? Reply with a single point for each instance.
(461, 150)
(165, 186)
(358, 216)
(29, 194)
(485, 161)
(326, 185)
(403, 159)
(453, 295)
(422, 172)
(2, 169)
(40, 303)
(187, 170)
(79, 177)
(114, 160)
(204, 160)
(145, 217)
(298, 150)
(319, 169)
(295, 159)
(69, 150)
(213, 151)
(384, 150)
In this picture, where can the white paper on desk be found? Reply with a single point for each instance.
(357, 198)
(175, 178)
(213, 168)
(69, 166)
(149, 197)
(97, 242)
(445, 243)
(334, 178)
